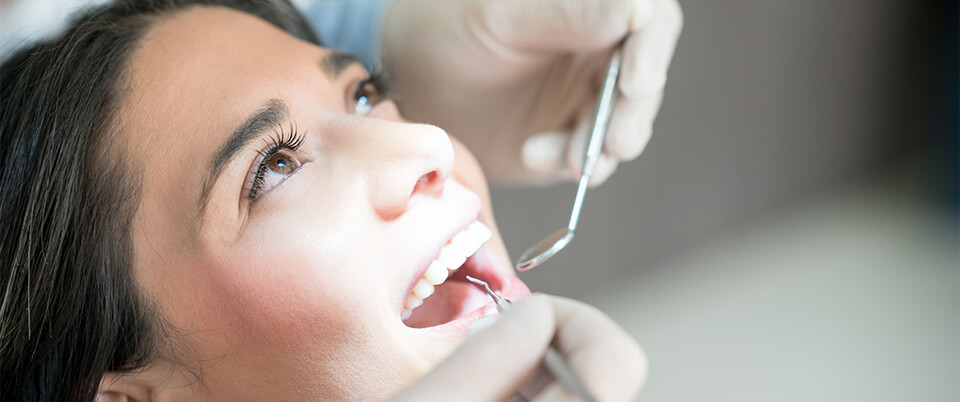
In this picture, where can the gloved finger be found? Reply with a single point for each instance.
(495, 362)
(576, 152)
(647, 53)
(560, 25)
(631, 126)
(544, 154)
(577, 146)
(606, 165)
(606, 358)
(537, 383)
(641, 14)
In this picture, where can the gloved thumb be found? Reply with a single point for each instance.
(545, 153)
(564, 25)
(494, 363)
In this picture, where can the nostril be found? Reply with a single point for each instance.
(426, 183)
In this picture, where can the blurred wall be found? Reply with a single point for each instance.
(768, 102)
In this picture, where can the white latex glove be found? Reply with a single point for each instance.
(517, 81)
(503, 359)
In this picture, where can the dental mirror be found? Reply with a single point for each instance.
(556, 241)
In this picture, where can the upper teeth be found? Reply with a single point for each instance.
(449, 259)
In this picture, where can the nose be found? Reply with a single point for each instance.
(416, 162)
(401, 163)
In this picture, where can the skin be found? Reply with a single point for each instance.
(296, 295)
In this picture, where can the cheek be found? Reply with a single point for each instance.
(287, 281)
(467, 170)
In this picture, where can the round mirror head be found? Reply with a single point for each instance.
(545, 249)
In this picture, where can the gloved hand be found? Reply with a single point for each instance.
(517, 81)
(504, 358)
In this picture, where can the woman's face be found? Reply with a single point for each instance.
(287, 215)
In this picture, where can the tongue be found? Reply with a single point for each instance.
(449, 301)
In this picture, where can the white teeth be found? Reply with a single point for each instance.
(423, 289)
(464, 241)
(413, 302)
(451, 257)
(436, 273)
(482, 230)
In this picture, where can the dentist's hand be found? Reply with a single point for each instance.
(517, 81)
(504, 359)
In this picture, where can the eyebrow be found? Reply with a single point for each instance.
(271, 115)
(335, 63)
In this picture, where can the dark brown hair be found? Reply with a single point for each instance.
(71, 310)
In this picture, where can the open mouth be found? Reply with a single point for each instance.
(443, 294)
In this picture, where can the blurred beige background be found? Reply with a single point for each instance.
(790, 233)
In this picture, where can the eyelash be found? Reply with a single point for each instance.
(379, 81)
(280, 141)
(283, 140)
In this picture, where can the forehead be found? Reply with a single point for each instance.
(195, 76)
(200, 69)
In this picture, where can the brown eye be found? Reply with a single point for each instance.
(275, 163)
(366, 97)
(273, 170)
(282, 163)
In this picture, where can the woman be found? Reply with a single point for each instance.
(201, 203)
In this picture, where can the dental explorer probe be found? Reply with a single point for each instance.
(554, 361)
(556, 241)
